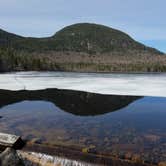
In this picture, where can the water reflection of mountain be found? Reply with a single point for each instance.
(75, 102)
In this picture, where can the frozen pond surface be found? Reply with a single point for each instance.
(122, 84)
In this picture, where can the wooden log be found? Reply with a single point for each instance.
(8, 140)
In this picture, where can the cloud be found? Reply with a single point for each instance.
(141, 19)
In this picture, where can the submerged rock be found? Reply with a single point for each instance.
(10, 158)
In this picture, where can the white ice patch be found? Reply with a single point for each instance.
(121, 84)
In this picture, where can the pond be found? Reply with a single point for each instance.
(115, 125)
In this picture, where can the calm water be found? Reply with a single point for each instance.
(109, 124)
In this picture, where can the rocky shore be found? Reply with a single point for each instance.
(11, 157)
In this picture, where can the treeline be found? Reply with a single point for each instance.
(12, 60)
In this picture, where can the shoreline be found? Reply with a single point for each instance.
(81, 72)
(76, 155)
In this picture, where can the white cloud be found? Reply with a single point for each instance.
(141, 19)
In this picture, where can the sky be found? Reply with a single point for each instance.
(141, 19)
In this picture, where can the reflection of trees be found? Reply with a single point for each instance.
(75, 102)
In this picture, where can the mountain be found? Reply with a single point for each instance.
(83, 37)
(5, 36)
(95, 38)
(79, 47)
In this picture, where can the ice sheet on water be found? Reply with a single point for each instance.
(122, 84)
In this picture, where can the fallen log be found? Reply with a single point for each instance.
(12, 141)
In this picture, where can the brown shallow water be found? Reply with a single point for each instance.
(124, 126)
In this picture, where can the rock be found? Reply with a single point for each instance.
(9, 140)
(10, 158)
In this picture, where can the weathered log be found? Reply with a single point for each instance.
(8, 140)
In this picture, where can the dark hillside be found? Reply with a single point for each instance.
(79, 47)
(94, 38)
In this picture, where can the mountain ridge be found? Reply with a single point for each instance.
(79, 47)
(85, 29)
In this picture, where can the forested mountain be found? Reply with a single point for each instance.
(79, 47)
